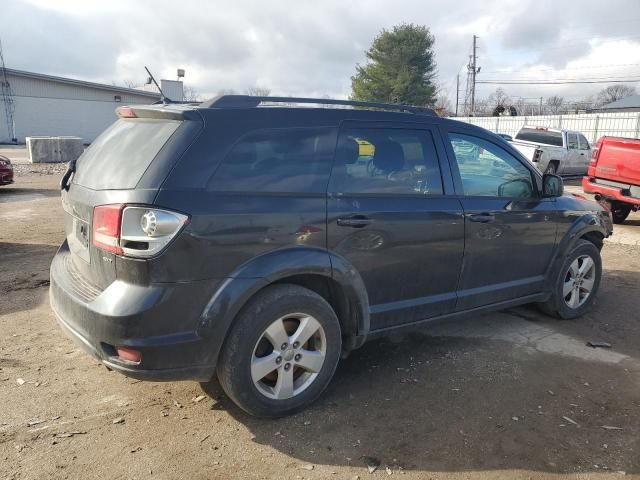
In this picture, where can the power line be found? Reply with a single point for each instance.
(563, 79)
(589, 67)
(573, 82)
(573, 42)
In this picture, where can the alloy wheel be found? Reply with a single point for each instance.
(288, 356)
(579, 281)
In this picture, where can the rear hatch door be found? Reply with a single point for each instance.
(126, 164)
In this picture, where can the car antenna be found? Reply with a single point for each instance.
(163, 98)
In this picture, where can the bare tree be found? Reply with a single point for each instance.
(499, 98)
(131, 84)
(481, 107)
(523, 107)
(614, 92)
(226, 91)
(258, 91)
(578, 106)
(191, 94)
(555, 103)
(443, 104)
(498, 101)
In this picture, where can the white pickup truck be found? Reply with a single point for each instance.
(564, 152)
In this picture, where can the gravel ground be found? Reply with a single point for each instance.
(30, 169)
(509, 395)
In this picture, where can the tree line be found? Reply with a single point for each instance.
(500, 103)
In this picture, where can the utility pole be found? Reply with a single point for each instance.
(472, 70)
(473, 75)
(540, 105)
(457, 91)
(467, 89)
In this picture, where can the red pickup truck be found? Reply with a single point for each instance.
(614, 175)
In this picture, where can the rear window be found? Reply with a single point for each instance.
(280, 160)
(118, 158)
(540, 136)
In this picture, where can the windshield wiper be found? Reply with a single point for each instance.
(65, 181)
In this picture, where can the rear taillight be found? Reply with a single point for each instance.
(135, 231)
(106, 227)
(595, 153)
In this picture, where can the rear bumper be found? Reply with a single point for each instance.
(612, 190)
(132, 316)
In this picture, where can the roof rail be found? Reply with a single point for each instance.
(249, 101)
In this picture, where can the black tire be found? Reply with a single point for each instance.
(556, 305)
(552, 168)
(620, 211)
(234, 365)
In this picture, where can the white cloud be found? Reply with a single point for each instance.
(311, 48)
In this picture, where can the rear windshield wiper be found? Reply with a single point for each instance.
(65, 181)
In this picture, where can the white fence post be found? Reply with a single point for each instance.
(595, 130)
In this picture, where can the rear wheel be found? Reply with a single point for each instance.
(281, 352)
(577, 284)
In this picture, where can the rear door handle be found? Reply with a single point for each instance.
(481, 217)
(354, 221)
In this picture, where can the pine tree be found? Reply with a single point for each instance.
(401, 68)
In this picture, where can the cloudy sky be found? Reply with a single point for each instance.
(310, 48)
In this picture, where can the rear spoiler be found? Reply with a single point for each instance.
(168, 112)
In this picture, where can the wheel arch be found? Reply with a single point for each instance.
(594, 236)
(323, 272)
(587, 227)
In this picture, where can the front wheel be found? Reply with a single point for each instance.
(577, 283)
(620, 211)
(282, 351)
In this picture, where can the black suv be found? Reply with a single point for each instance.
(258, 240)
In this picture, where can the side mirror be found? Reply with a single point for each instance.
(552, 185)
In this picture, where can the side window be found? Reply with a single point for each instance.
(584, 143)
(487, 170)
(279, 160)
(572, 141)
(386, 161)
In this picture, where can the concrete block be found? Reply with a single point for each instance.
(54, 149)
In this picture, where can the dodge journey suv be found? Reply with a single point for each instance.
(259, 240)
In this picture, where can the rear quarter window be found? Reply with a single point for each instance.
(118, 158)
(279, 160)
(540, 136)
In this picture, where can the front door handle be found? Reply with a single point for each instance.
(481, 217)
(354, 221)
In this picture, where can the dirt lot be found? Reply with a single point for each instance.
(507, 395)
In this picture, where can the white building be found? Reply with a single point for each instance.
(44, 105)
